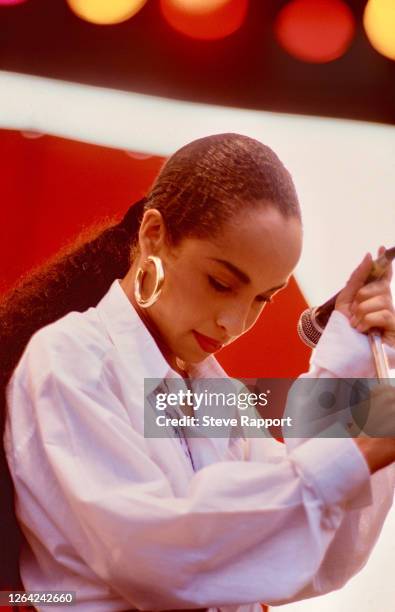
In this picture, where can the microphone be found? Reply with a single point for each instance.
(312, 321)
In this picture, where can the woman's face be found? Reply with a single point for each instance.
(215, 289)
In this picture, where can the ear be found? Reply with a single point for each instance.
(152, 233)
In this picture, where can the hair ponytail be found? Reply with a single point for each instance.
(75, 279)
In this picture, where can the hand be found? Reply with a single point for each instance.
(369, 306)
(378, 452)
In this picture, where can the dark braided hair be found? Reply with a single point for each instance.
(200, 188)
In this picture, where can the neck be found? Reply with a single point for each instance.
(174, 362)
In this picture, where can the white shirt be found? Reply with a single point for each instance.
(124, 520)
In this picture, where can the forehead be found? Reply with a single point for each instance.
(262, 243)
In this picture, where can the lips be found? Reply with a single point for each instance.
(209, 345)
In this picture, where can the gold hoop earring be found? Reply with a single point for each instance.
(160, 276)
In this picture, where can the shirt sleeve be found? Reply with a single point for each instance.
(344, 352)
(244, 531)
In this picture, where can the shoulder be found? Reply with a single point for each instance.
(75, 346)
(65, 375)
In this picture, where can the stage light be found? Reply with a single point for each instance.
(198, 6)
(105, 12)
(379, 24)
(315, 31)
(11, 2)
(205, 19)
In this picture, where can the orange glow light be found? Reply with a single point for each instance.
(316, 31)
(105, 12)
(379, 24)
(205, 19)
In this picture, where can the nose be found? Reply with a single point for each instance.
(234, 321)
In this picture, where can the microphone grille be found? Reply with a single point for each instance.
(308, 329)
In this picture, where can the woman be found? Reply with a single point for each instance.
(129, 522)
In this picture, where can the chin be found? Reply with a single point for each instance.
(191, 354)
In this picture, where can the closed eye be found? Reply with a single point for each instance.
(223, 288)
(218, 286)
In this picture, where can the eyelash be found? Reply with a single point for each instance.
(225, 289)
(218, 286)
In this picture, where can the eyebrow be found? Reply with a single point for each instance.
(242, 276)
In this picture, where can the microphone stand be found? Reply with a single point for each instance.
(379, 356)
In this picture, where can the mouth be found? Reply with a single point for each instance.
(207, 344)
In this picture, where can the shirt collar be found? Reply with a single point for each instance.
(132, 338)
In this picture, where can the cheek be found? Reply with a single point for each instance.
(184, 296)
